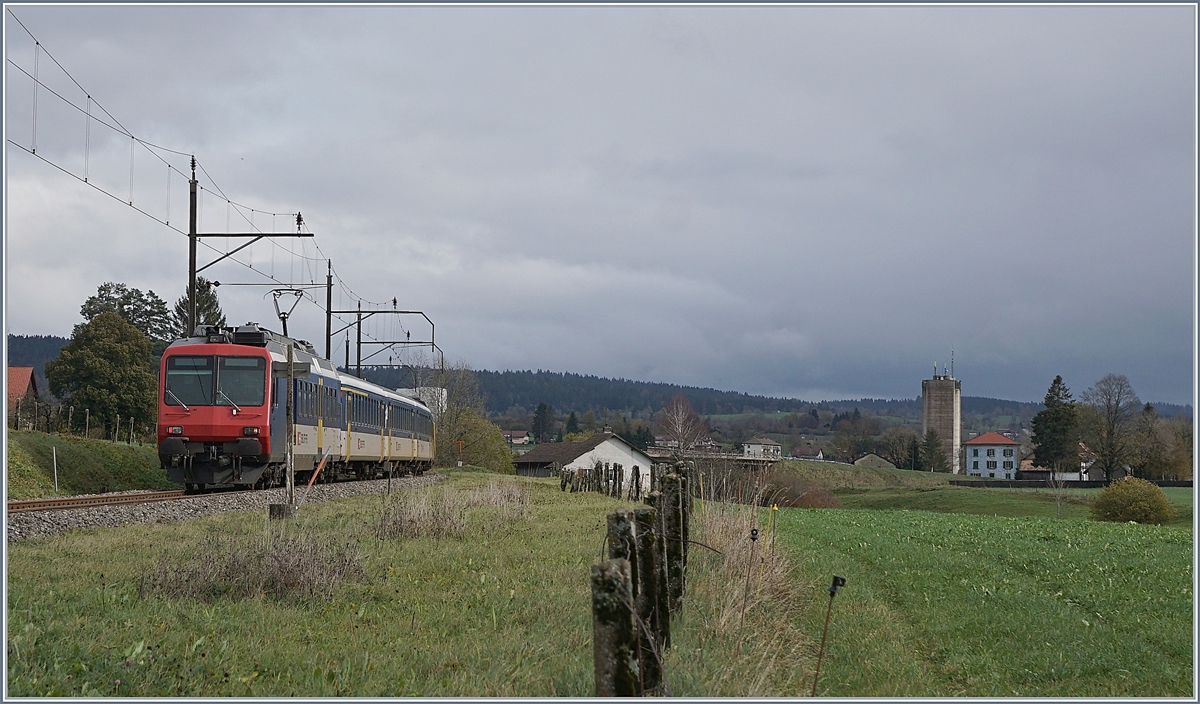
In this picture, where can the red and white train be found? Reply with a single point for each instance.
(222, 414)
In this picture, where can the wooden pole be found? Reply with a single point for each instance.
(650, 630)
(614, 645)
(673, 538)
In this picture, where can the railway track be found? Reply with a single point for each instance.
(70, 502)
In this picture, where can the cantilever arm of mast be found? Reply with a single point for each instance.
(256, 235)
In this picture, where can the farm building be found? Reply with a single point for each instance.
(808, 452)
(1086, 458)
(516, 437)
(991, 455)
(761, 447)
(23, 387)
(606, 448)
(873, 460)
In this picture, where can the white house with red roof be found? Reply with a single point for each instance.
(992, 455)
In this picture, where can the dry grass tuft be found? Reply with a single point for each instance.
(271, 564)
(746, 603)
(443, 513)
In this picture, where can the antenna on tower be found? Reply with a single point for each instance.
(951, 362)
(935, 370)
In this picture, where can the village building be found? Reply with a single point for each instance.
(22, 391)
(808, 452)
(605, 448)
(991, 455)
(516, 437)
(1086, 459)
(762, 447)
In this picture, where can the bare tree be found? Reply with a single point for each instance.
(681, 426)
(1110, 426)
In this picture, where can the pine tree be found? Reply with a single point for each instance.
(572, 424)
(1056, 430)
(543, 423)
(145, 311)
(933, 454)
(208, 308)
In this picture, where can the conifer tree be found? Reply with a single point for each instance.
(1056, 430)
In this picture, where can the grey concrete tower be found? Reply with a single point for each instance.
(941, 409)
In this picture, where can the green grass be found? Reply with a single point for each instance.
(937, 604)
(504, 611)
(84, 466)
(969, 605)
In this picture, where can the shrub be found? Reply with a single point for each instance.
(1132, 499)
(273, 564)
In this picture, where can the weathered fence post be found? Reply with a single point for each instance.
(652, 623)
(614, 642)
(656, 501)
(672, 511)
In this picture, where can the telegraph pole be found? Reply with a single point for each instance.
(359, 326)
(328, 308)
(192, 185)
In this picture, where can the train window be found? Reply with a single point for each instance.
(189, 381)
(241, 381)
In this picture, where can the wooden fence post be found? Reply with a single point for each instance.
(651, 623)
(672, 519)
(614, 645)
(656, 501)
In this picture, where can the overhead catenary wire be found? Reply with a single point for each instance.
(306, 261)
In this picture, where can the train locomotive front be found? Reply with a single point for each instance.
(215, 406)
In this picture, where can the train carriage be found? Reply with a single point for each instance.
(222, 414)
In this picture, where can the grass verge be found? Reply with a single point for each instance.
(85, 466)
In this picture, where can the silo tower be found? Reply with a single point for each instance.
(941, 409)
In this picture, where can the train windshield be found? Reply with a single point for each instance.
(221, 381)
(241, 381)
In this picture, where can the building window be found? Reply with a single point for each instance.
(1007, 475)
(991, 452)
(975, 452)
(975, 464)
(991, 464)
(1008, 464)
(1008, 452)
(991, 475)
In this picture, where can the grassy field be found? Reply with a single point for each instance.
(970, 605)
(85, 466)
(937, 603)
(502, 609)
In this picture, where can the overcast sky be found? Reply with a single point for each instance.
(815, 202)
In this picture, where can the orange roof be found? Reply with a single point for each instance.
(991, 438)
(19, 380)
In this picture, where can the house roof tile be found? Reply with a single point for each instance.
(991, 438)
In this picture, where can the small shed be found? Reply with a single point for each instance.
(605, 448)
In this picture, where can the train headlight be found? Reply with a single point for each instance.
(249, 430)
(175, 430)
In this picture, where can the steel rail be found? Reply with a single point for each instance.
(90, 501)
